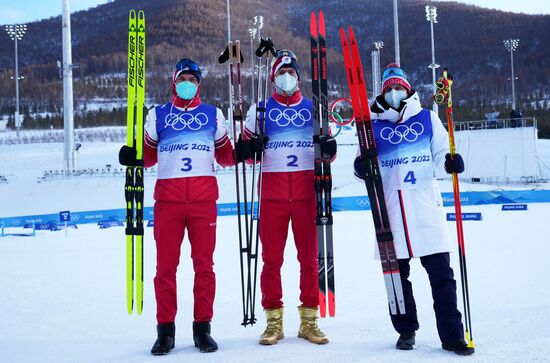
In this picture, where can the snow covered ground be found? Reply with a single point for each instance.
(62, 297)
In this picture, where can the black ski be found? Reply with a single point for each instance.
(323, 176)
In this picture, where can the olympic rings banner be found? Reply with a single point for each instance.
(339, 204)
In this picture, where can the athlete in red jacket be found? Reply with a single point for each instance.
(184, 137)
(288, 195)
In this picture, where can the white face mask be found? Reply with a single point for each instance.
(394, 98)
(286, 83)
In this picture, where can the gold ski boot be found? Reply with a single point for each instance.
(308, 325)
(274, 330)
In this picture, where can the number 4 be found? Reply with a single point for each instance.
(409, 178)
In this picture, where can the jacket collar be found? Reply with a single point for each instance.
(380, 110)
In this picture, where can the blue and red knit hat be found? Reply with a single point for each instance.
(392, 75)
(284, 59)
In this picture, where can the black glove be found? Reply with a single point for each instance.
(257, 145)
(360, 167)
(454, 164)
(127, 156)
(328, 145)
(242, 150)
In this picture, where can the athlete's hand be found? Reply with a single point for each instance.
(454, 164)
(328, 146)
(127, 156)
(361, 167)
(242, 150)
(257, 145)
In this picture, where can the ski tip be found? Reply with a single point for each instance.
(343, 37)
(141, 15)
(312, 24)
(322, 30)
(132, 14)
(351, 33)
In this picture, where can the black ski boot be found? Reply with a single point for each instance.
(405, 341)
(202, 338)
(459, 347)
(165, 341)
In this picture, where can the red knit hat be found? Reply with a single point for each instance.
(394, 75)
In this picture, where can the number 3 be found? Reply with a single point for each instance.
(186, 164)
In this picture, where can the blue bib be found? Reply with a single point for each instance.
(404, 152)
(185, 141)
(290, 132)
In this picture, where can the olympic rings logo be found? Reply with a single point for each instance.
(333, 113)
(289, 115)
(363, 202)
(185, 120)
(402, 132)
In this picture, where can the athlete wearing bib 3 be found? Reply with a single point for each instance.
(288, 195)
(413, 146)
(184, 137)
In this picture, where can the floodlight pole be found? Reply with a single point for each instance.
(69, 152)
(396, 33)
(511, 45)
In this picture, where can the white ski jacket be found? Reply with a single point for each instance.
(411, 150)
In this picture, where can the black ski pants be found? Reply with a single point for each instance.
(440, 273)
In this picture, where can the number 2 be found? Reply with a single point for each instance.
(293, 159)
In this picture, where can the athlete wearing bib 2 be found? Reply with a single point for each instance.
(184, 137)
(288, 195)
(413, 146)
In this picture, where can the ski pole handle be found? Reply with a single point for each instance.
(231, 52)
(266, 45)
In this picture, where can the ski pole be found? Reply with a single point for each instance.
(443, 94)
(266, 46)
(229, 55)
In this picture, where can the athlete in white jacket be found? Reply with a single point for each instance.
(413, 147)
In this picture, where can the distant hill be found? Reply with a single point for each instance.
(468, 40)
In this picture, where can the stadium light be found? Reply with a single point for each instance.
(16, 33)
(511, 45)
(431, 17)
(254, 30)
(375, 55)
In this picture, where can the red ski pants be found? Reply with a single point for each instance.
(171, 220)
(274, 219)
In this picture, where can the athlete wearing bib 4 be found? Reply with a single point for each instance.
(413, 147)
(288, 195)
(184, 137)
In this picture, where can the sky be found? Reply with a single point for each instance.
(22, 11)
